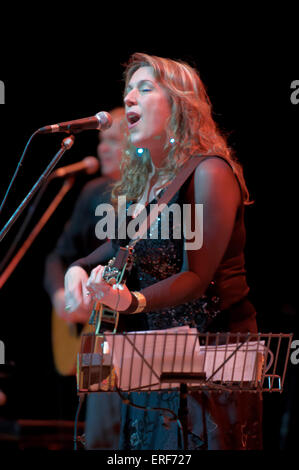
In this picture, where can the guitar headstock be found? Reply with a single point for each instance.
(119, 266)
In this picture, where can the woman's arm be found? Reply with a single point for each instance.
(77, 300)
(100, 255)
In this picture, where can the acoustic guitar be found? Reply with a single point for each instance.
(66, 340)
(66, 337)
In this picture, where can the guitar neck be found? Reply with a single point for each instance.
(115, 273)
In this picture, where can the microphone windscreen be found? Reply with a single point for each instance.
(105, 120)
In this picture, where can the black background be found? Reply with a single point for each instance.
(67, 69)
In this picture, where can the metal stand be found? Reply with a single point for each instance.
(65, 145)
(183, 416)
(184, 360)
(67, 185)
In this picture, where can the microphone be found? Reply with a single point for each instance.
(89, 164)
(100, 121)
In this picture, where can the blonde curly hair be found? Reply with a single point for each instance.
(191, 128)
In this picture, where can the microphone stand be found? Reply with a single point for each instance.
(68, 183)
(66, 144)
(24, 225)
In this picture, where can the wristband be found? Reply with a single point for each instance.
(141, 301)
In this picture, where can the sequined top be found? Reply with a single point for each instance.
(156, 259)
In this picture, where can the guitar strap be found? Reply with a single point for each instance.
(186, 170)
(173, 187)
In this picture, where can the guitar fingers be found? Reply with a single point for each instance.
(95, 278)
(95, 274)
(86, 295)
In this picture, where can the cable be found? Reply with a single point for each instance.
(81, 400)
(126, 401)
(17, 169)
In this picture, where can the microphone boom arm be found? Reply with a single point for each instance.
(65, 145)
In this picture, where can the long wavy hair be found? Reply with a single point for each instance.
(191, 129)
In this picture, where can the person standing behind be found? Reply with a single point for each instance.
(78, 239)
(78, 236)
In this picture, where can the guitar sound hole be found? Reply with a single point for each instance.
(79, 328)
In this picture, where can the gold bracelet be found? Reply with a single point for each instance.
(141, 301)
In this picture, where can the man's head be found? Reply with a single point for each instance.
(111, 144)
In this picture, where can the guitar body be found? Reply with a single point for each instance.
(66, 341)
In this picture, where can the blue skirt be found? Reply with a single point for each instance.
(216, 421)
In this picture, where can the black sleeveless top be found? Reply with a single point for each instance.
(223, 307)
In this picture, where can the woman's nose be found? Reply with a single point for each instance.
(130, 98)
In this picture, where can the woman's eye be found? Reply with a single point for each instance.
(146, 89)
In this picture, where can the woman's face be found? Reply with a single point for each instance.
(148, 111)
